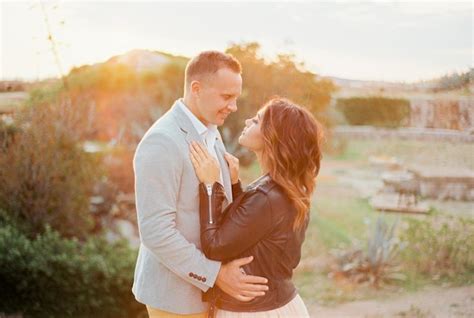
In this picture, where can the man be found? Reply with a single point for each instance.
(171, 271)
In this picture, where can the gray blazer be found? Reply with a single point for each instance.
(171, 270)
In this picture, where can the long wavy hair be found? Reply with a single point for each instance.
(292, 151)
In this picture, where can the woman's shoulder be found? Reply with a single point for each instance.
(276, 200)
(263, 184)
(266, 186)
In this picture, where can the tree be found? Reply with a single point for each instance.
(263, 79)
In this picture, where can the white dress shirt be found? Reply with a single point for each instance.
(208, 133)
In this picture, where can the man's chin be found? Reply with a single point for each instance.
(219, 121)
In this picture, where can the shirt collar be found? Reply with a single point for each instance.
(198, 125)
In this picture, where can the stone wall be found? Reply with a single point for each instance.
(442, 113)
(409, 133)
(12, 86)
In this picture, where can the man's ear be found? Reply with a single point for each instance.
(195, 88)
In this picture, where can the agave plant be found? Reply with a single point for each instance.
(377, 265)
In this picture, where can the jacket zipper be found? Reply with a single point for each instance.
(209, 197)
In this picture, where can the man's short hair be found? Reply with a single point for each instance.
(208, 63)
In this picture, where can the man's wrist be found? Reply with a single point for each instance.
(215, 275)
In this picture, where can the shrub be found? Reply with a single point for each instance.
(454, 81)
(378, 265)
(45, 175)
(374, 111)
(51, 276)
(440, 249)
(7, 133)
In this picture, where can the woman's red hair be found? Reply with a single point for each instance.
(292, 151)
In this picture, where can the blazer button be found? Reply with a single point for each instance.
(199, 278)
(204, 279)
(191, 274)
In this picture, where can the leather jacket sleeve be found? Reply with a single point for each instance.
(236, 189)
(224, 236)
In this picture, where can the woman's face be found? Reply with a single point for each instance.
(251, 137)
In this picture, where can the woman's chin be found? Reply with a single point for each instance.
(244, 145)
(243, 141)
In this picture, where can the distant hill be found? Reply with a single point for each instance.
(145, 60)
(134, 62)
(343, 82)
(140, 61)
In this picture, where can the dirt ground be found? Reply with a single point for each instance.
(430, 302)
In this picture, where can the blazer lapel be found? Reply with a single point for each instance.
(192, 135)
(185, 124)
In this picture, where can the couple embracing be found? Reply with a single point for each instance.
(210, 247)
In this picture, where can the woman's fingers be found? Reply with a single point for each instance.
(206, 166)
(202, 150)
(198, 154)
(231, 160)
(194, 161)
(202, 156)
(228, 158)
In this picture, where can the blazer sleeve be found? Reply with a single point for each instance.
(231, 233)
(158, 166)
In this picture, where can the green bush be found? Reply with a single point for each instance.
(454, 81)
(45, 175)
(51, 276)
(440, 249)
(374, 111)
(7, 133)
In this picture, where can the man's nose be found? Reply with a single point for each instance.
(232, 106)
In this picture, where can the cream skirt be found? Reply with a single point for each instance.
(294, 308)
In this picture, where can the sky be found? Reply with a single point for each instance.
(371, 40)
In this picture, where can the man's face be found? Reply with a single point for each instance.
(217, 96)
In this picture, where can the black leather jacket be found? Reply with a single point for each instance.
(258, 223)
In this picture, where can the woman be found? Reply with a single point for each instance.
(269, 219)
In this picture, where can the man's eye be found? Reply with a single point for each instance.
(255, 121)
